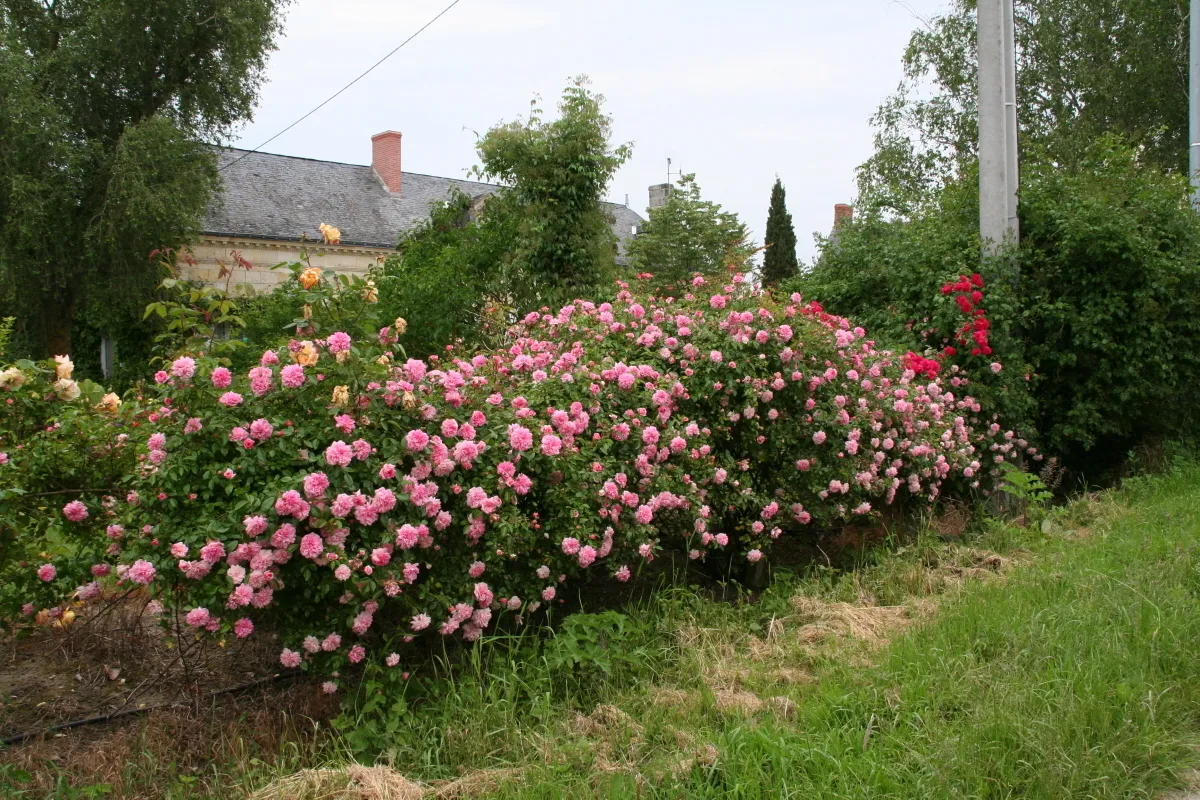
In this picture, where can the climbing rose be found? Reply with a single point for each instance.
(519, 437)
(292, 376)
(141, 572)
(338, 342)
(416, 440)
(75, 511)
(339, 454)
(312, 545)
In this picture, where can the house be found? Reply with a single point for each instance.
(270, 205)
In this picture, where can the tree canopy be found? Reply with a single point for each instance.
(688, 234)
(556, 173)
(105, 110)
(1085, 68)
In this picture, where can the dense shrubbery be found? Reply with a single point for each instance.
(1110, 294)
(354, 499)
(65, 452)
(1100, 300)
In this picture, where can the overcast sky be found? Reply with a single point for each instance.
(737, 91)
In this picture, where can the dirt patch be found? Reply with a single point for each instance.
(952, 522)
(117, 656)
(230, 730)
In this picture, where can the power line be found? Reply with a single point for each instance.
(344, 88)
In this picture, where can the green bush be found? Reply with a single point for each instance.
(1110, 285)
(889, 275)
(1100, 300)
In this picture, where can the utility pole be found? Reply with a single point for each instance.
(1194, 106)
(998, 163)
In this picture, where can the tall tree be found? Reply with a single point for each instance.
(105, 106)
(688, 234)
(557, 173)
(779, 258)
(1084, 68)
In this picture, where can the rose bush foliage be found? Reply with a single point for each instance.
(352, 499)
(65, 451)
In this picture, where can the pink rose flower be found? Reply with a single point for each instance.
(519, 437)
(339, 454)
(141, 572)
(75, 511)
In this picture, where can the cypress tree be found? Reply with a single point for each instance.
(779, 260)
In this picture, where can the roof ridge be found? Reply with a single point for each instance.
(222, 148)
(403, 172)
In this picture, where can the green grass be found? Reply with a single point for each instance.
(1071, 673)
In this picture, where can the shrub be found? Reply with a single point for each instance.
(1100, 300)
(892, 276)
(1110, 287)
(354, 501)
(64, 456)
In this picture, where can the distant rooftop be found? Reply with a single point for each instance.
(273, 196)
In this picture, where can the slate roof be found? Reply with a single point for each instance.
(279, 197)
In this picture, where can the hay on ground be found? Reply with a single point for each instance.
(358, 782)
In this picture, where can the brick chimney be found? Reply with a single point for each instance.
(385, 159)
(842, 214)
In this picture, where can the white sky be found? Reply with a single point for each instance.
(735, 91)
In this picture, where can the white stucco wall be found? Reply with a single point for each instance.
(210, 253)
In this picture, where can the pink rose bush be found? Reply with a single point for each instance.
(66, 448)
(366, 498)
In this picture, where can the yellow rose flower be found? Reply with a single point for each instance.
(66, 389)
(369, 293)
(400, 326)
(64, 367)
(383, 360)
(12, 378)
(307, 311)
(307, 355)
(341, 395)
(409, 401)
(110, 402)
(330, 234)
(310, 277)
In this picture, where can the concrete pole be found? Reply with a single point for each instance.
(1011, 163)
(997, 125)
(1194, 105)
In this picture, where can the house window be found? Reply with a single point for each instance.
(633, 230)
(221, 331)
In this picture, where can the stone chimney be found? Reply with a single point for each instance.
(842, 214)
(385, 159)
(659, 193)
